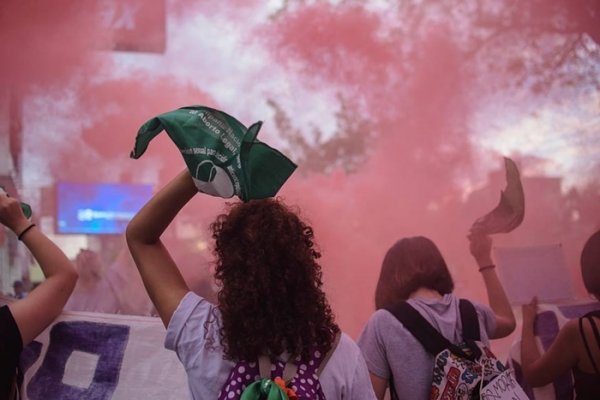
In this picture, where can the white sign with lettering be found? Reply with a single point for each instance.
(503, 387)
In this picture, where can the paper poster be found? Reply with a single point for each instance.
(534, 271)
(503, 387)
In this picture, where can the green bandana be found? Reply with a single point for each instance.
(263, 389)
(222, 155)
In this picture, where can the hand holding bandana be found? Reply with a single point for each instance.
(223, 156)
(24, 206)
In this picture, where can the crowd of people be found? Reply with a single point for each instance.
(270, 328)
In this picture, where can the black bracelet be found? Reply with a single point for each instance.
(20, 237)
(491, 266)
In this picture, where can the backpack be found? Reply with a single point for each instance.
(468, 370)
(294, 379)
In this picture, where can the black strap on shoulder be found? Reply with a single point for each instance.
(470, 321)
(433, 341)
(429, 337)
(585, 342)
(595, 313)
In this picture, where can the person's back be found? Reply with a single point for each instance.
(405, 360)
(194, 334)
(270, 301)
(415, 272)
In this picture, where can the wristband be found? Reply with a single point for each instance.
(491, 266)
(20, 237)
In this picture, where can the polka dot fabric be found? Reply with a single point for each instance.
(305, 383)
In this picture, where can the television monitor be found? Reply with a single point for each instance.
(98, 208)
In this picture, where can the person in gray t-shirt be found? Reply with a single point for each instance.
(414, 270)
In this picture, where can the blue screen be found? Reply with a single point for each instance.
(98, 208)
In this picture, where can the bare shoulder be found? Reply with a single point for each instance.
(571, 328)
(584, 363)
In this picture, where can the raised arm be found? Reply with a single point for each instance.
(481, 248)
(538, 369)
(162, 279)
(35, 312)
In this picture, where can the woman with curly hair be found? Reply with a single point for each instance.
(270, 303)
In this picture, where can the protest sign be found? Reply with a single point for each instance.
(503, 387)
(529, 271)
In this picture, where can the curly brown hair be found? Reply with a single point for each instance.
(271, 298)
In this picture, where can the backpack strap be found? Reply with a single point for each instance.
(334, 344)
(419, 327)
(429, 337)
(264, 367)
(585, 342)
(469, 320)
(290, 369)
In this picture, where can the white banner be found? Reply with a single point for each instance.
(102, 356)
